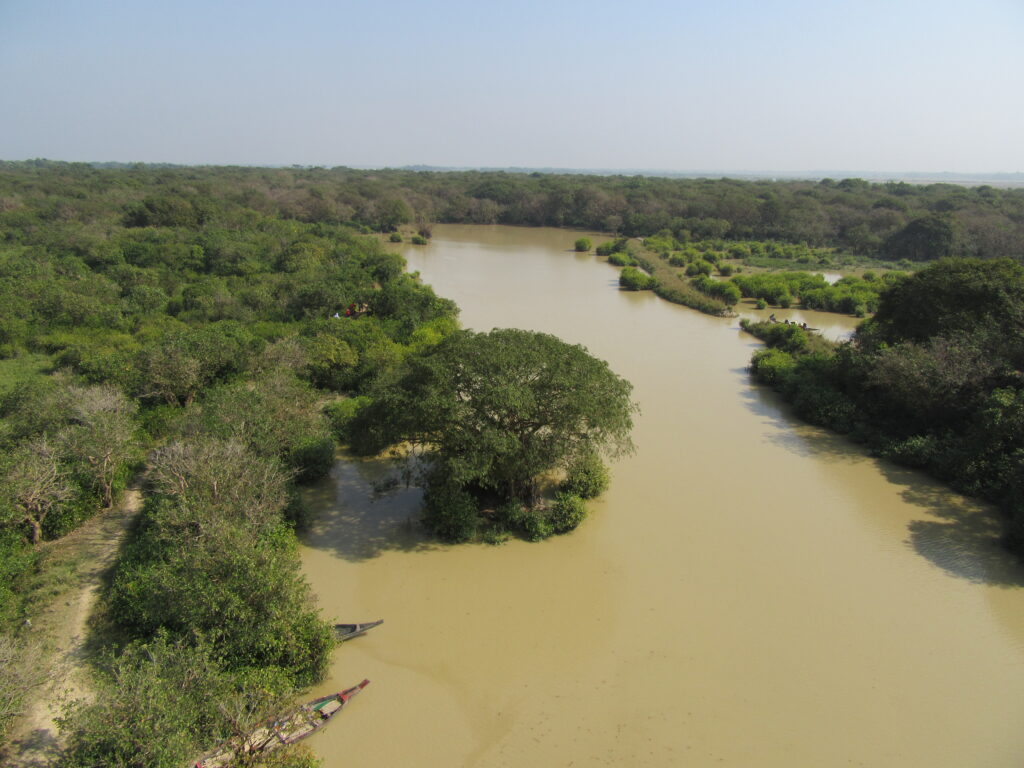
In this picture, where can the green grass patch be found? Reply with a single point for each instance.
(18, 370)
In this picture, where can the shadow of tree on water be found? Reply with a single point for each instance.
(963, 536)
(966, 539)
(364, 509)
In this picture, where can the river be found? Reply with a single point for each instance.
(750, 591)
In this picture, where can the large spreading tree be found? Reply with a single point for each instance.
(500, 411)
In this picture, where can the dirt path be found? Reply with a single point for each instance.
(61, 628)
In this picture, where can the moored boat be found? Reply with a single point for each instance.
(343, 632)
(303, 722)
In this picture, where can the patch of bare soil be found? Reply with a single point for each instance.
(61, 628)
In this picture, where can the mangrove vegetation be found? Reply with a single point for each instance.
(211, 334)
(933, 380)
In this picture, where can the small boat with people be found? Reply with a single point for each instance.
(343, 632)
(301, 723)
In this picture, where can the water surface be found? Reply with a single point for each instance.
(749, 592)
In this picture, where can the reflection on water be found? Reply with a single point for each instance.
(750, 591)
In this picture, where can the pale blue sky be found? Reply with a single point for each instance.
(717, 85)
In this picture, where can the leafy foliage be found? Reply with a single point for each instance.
(933, 380)
(586, 476)
(632, 279)
(496, 412)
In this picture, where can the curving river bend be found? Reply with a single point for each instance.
(749, 592)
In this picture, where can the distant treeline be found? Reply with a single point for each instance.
(893, 220)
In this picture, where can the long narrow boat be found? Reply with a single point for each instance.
(343, 632)
(303, 722)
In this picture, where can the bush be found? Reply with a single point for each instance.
(623, 259)
(587, 477)
(17, 562)
(341, 413)
(450, 511)
(511, 515)
(194, 569)
(536, 526)
(725, 292)
(395, 237)
(819, 403)
(583, 245)
(311, 459)
(772, 367)
(632, 279)
(568, 512)
(916, 451)
(788, 337)
(418, 240)
(613, 246)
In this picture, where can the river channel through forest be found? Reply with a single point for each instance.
(750, 591)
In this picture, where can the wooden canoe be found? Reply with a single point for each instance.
(303, 722)
(343, 632)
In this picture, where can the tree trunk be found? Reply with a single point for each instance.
(37, 529)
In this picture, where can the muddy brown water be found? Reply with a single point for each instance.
(749, 592)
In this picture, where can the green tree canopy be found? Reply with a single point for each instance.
(500, 409)
(953, 296)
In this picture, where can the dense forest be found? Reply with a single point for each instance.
(201, 346)
(214, 332)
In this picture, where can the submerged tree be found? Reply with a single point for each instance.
(499, 410)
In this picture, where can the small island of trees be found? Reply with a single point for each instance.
(492, 416)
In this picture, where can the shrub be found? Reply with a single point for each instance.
(916, 451)
(418, 240)
(511, 515)
(632, 279)
(450, 511)
(340, 414)
(311, 458)
(536, 526)
(772, 366)
(587, 477)
(395, 237)
(789, 337)
(568, 512)
(583, 245)
(819, 403)
(613, 246)
(623, 259)
(494, 535)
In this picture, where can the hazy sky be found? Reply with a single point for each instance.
(755, 85)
